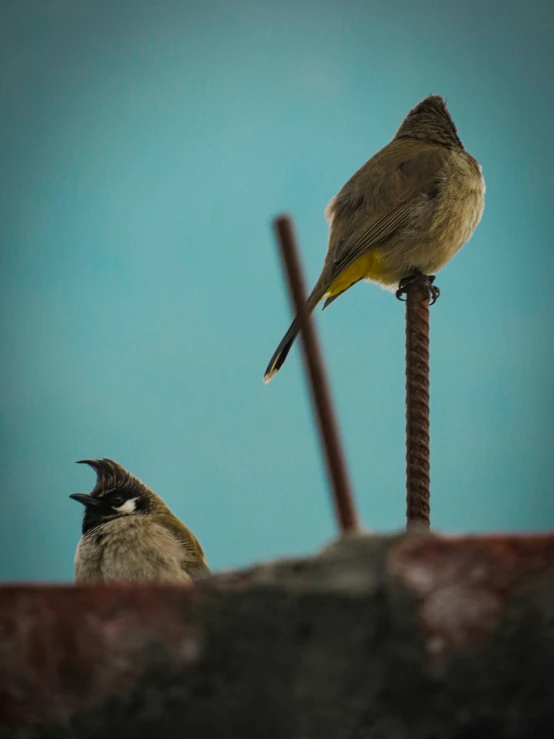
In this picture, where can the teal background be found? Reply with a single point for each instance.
(144, 149)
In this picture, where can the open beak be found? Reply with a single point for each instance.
(85, 499)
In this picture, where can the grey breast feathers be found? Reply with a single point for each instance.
(132, 548)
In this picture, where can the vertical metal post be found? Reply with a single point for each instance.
(417, 405)
(320, 393)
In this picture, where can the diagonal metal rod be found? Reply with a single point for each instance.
(321, 396)
(417, 405)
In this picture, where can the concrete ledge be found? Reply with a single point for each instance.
(390, 637)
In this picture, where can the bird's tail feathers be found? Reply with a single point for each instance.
(281, 353)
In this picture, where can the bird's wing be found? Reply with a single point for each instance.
(411, 178)
(193, 557)
(371, 233)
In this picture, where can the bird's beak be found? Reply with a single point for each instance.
(85, 499)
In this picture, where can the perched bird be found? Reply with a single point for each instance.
(402, 216)
(129, 533)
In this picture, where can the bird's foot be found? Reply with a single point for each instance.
(426, 282)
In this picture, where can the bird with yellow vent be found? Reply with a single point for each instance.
(402, 216)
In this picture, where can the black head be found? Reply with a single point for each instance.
(116, 493)
(430, 121)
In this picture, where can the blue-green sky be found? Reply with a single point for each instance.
(144, 148)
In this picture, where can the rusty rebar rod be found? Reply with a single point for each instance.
(417, 405)
(317, 379)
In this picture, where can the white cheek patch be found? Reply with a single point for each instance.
(128, 507)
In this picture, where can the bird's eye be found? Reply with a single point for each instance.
(117, 501)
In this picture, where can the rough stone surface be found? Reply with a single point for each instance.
(415, 636)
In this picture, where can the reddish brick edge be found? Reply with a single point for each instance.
(463, 584)
(66, 649)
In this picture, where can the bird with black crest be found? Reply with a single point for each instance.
(129, 533)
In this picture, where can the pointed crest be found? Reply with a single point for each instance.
(110, 475)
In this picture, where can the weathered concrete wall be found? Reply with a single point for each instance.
(380, 637)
